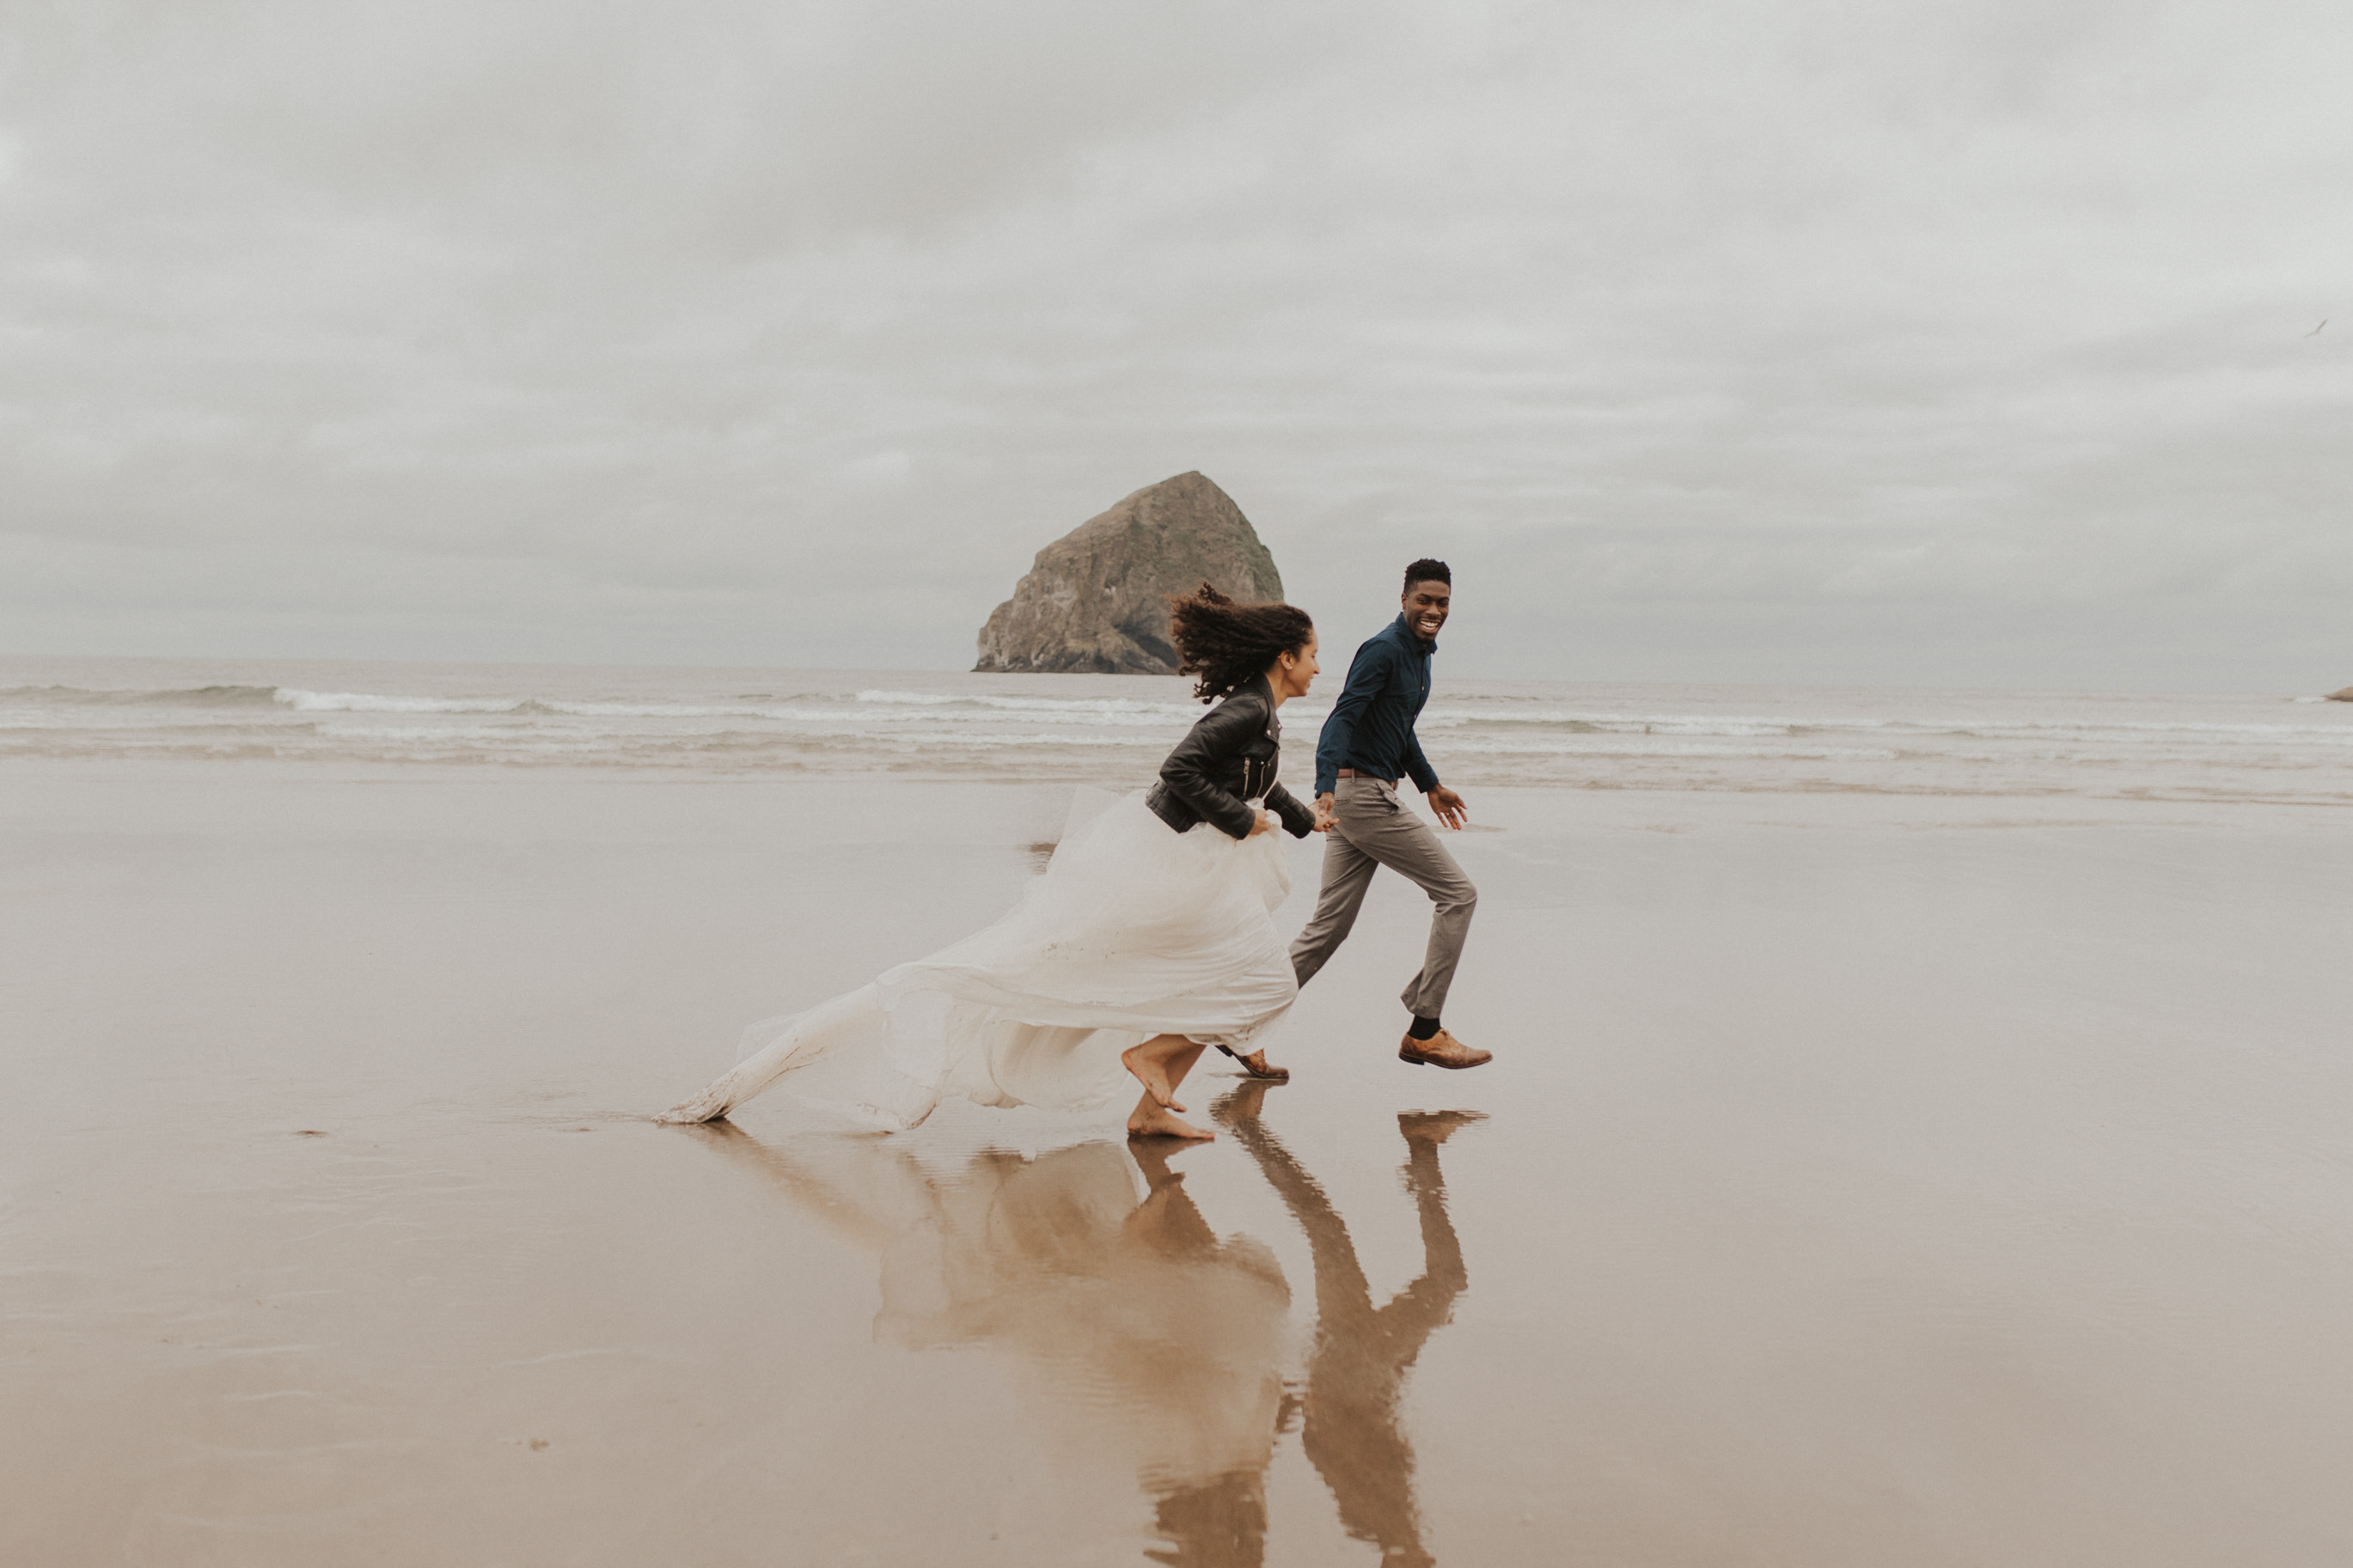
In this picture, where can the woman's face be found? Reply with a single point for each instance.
(1297, 671)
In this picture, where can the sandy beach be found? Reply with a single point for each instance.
(1867, 1176)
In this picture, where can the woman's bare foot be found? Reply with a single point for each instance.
(1151, 1070)
(1157, 1124)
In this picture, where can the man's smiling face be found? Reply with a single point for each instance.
(1426, 605)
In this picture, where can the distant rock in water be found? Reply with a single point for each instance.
(1094, 601)
(2343, 696)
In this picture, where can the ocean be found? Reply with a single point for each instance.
(1111, 730)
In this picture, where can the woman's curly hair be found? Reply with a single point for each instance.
(1225, 644)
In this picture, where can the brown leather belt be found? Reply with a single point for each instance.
(1359, 774)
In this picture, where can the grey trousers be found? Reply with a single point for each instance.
(1375, 830)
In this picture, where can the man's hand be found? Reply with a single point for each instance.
(1448, 807)
(1327, 811)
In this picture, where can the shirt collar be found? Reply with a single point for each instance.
(1406, 634)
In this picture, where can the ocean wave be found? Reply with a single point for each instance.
(1482, 710)
(1115, 732)
(303, 701)
(751, 708)
(1091, 705)
(2121, 732)
(911, 698)
(1614, 723)
(174, 697)
(451, 733)
(1637, 745)
(991, 741)
(816, 716)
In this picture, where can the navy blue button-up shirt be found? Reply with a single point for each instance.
(1371, 727)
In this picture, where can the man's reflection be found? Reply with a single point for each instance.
(1356, 1372)
(1146, 1337)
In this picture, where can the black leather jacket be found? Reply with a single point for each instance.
(1228, 758)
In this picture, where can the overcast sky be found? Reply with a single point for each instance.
(1918, 343)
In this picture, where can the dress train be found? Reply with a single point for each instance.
(1133, 930)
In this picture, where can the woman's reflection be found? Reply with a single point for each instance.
(1144, 1335)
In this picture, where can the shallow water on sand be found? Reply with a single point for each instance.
(1862, 1179)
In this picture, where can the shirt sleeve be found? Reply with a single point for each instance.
(1367, 674)
(1417, 766)
(1297, 820)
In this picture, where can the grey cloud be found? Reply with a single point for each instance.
(1803, 338)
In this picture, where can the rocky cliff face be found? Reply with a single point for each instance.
(1095, 600)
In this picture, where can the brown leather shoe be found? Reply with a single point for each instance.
(1441, 1050)
(1255, 1064)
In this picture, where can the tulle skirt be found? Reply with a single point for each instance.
(1134, 930)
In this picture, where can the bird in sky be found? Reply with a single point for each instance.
(2315, 332)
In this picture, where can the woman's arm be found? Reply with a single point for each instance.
(1297, 820)
(1220, 732)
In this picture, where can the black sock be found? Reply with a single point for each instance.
(1424, 1029)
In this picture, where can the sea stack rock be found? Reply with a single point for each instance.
(1094, 601)
(2343, 696)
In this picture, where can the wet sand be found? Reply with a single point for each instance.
(1863, 1180)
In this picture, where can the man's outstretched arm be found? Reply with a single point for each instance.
(1443, 801)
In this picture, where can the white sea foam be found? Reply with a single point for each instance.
(1113, 708)
(1437, 718)
(303, 701)
(916, 699)
(445, 734)
(1620, 745)
(662, 709)
(1110, 730)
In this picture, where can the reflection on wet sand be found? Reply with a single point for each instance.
(1135, 1330)
(1355, 1374)
(1138, 1332)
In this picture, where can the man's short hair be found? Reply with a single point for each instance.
(1427, 570)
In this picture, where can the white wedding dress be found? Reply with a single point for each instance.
(1132, 931)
